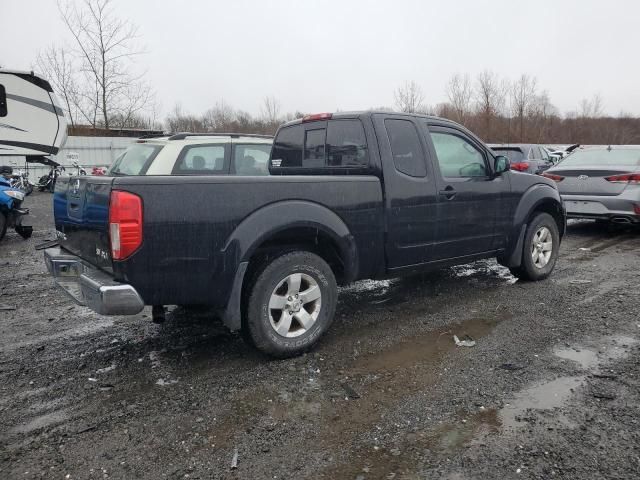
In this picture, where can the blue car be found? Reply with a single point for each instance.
(11, 213)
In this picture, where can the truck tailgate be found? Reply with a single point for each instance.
(81, 210)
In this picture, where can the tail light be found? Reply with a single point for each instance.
(317, 116)
(625, 178)
(636, 209)
(555, 178)
(520, 166)
(125, 224)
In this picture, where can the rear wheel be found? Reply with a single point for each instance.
(290, 304)
(541, 245)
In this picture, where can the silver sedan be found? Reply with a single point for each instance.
(601, 183)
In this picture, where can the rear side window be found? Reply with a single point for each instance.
(201, 160)
(314, 148)
(135, 160)
(406, 150)
(3, 101)
(287, 148)
(346, 144)
(250, 159)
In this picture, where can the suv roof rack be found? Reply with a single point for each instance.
(182, 136)
(155, 135)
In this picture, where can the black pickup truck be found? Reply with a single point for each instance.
(350, 196)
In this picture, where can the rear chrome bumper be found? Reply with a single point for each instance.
(90, 286)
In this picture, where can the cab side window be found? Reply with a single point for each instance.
(458, 157)
(406, 150)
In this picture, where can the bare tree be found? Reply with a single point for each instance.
(523, 92)
(541, 115)
(106, 47)
(591, 108)
(271, 110)
(409, 97)
(219, 118)
(489, 96)
(459, 93)
(56, 65)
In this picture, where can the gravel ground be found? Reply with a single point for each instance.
(551, 389)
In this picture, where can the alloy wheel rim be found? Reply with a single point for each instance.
(294, 305)
(541, 247)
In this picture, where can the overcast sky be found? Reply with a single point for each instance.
(318, 56)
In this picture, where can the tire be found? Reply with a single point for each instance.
(536, 245)
(291, 326)
(28, 190)
(3, 225)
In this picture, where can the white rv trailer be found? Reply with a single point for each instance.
(32, 123)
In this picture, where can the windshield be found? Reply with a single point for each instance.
(596, 157)
(513, 154)
(135, 160)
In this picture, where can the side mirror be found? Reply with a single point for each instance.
(501, 164)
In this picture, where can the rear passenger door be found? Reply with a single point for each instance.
(410, 191)
(468, 194)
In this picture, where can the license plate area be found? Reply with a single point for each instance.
(583, 206)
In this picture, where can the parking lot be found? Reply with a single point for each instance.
(550, 389)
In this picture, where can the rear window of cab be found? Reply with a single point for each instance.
(319, 145)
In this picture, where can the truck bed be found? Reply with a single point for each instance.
(193, 226)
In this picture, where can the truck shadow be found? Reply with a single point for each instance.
(596, 231)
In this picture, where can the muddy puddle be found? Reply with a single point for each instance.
(426, 348)
(467, 430)
(386, 379)
(592, 357)
(554, 394)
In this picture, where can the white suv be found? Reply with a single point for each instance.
(196, 154)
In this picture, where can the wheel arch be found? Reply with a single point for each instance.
(540, 198)
(287, 226)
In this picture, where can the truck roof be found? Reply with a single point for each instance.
(367, 113)
(362, 113)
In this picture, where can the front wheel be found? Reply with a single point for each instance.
(541, 246)
(290, 304)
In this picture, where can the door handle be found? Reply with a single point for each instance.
(449, 192)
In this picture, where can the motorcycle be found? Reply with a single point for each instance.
(11, 211)
(48, 182)
(21, 182)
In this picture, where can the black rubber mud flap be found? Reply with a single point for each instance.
(232, 315)
(514, 258)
